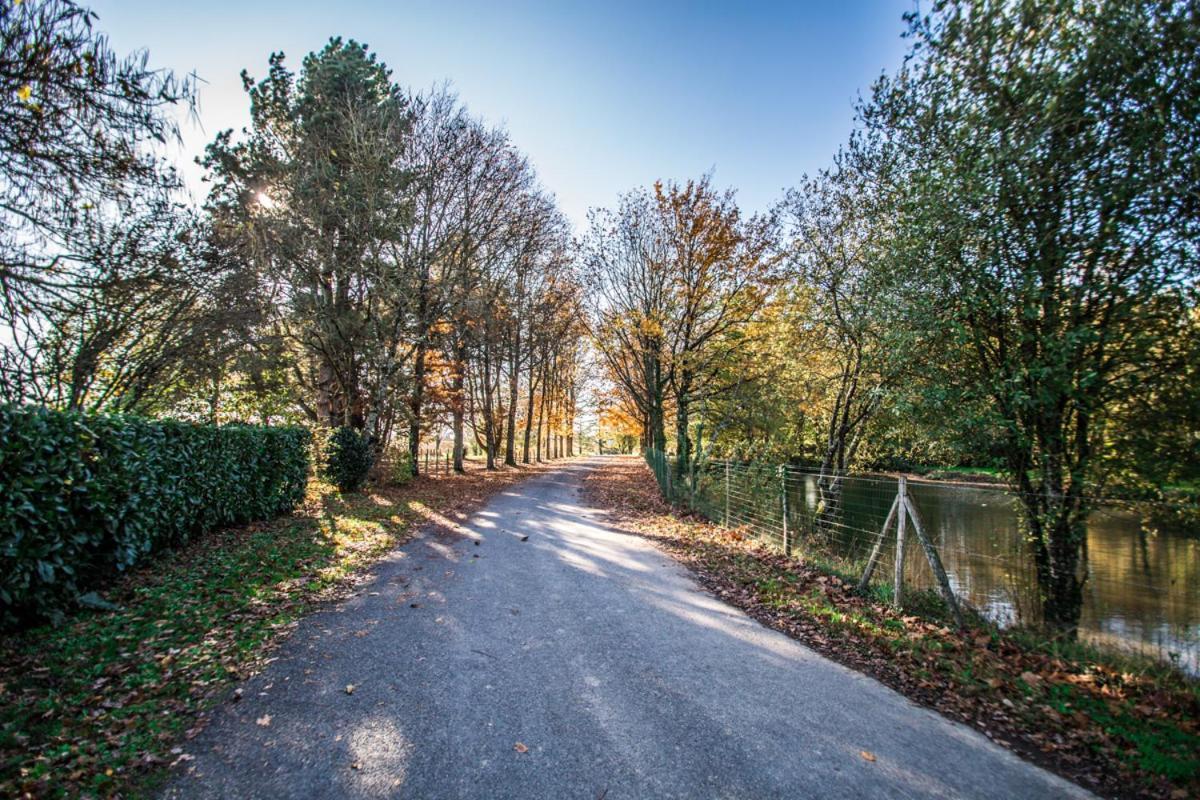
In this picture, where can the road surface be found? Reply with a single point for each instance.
(577, 663)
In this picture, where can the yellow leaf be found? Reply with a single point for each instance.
(25, 92)
(868, 755)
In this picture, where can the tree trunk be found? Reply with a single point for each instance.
(459, 402)
(541, 418)
(529, 411)
(548, 389)
(683, 443)
(415, 403)
(327, 412)
(570, 421)
(1055, 519)
(510, 433)
(658, 433)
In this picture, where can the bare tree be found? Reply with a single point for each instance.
(625, 266)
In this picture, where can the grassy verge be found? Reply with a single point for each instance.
(966, 474)
(1121, 727)
(100, 704)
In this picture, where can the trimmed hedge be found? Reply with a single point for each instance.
(83, 496)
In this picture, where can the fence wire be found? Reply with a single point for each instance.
(1143, 576)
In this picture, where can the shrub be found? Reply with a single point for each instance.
(83, 496)
(347, 459)
(402, 468)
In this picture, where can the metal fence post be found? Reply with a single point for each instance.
(898, 573)
(692, 484)
(787, 540)
(727, 493)
(668, 477)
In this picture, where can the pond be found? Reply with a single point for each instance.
(1143, 587)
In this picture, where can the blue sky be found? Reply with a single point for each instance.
(603, 96)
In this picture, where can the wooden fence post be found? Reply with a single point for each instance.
(935, 562)
(875, 551)
(898, 573)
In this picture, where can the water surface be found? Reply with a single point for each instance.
(1143, 587)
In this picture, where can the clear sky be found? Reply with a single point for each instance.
(602, 95)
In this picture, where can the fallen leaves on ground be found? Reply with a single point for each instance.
(520, 748)
(1121, 733)
(92, 707)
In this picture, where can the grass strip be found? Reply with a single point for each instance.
(101, 704)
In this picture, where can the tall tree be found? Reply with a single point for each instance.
(318, 184)
(1049, 227)
(626, 269)
(447, 153)
(98, 262)
(718, 265)
(837, 251)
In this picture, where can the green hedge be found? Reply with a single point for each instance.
(85, 496)
(347, 459)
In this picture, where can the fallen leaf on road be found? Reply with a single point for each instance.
(520, 748)
(264, 720)
(868, 755)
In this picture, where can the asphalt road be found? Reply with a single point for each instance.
(580, 663)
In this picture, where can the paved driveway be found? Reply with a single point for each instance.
(577, 663)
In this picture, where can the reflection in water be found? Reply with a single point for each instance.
(1143, 587)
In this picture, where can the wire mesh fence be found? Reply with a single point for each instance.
(1142, 590)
